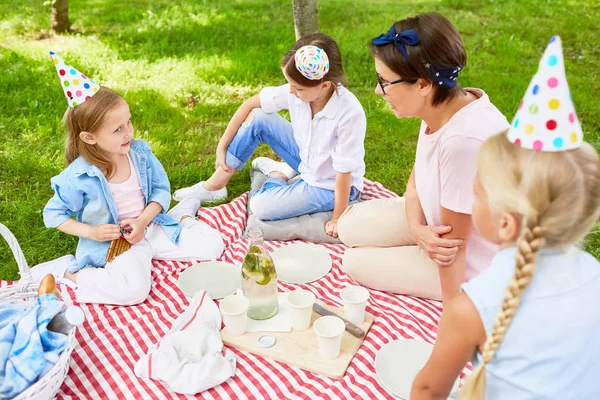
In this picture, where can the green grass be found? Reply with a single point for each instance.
(160, 53)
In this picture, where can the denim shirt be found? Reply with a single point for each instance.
(81, 190)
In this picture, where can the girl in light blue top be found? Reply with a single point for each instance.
(531, 320)
(115, 187)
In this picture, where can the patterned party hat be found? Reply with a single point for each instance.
(546, 119)
(78, 87)
(312, 62)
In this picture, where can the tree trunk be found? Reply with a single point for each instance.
(306, 17)
(60, 16)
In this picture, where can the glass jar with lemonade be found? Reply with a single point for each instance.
(259, 279)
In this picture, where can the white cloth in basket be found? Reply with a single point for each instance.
(189, 359)
(27, 349)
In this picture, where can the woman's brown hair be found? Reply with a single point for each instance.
(439, 45)
(89, 117)
(336, 73)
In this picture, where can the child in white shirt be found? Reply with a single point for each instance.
(324, 142)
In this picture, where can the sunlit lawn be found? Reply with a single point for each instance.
(185, 66)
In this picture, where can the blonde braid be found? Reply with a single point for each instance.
(529, 245)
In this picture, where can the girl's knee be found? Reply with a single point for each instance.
(128, 290)
(199, 241)
(135, 293)
(261, 119)
(263, 207)
(250, 116)
(254, 119)
(215, 245)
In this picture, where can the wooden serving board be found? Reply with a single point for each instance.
(300, 348)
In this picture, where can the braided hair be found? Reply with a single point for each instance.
(556, 196)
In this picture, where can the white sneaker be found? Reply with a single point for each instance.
(267, 165)
(55, 267)
(197, 191)
(187, 207)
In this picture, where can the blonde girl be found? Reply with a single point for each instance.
(532, 319)
(115, 186)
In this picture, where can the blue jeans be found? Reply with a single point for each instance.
(277, 200)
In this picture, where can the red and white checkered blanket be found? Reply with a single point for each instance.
(113, 338)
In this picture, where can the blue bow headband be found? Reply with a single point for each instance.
(442, 76)
(401, 39)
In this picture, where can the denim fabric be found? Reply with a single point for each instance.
(82, 190)
(271, 129)
(277, 200)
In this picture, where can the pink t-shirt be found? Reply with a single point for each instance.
(446, 165)
(128, 195)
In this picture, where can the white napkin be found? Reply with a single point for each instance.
(280, 322)
(189, 358)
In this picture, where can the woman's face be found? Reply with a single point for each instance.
(405, 99)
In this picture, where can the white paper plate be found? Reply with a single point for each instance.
(301, 263)
(398, 363)
(218, 278)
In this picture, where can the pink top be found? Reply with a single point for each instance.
(128, 195)
(446, 165)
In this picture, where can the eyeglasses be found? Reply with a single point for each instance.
(383, 85)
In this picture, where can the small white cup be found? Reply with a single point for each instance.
(355, 301)
(234, 309)
(329, 331)
(301, 303)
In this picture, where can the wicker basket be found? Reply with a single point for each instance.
(24, 292)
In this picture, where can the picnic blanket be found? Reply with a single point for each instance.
(114, 338)
(27, 349)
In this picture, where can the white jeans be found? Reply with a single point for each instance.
(127, 279)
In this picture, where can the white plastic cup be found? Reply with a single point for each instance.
(234, 309)
(355, 301)
(300, 308)
(329, 331)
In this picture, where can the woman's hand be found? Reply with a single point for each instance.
(441, 251)
(220, 161)
(331, 228)
(136, 231)
(104, 233)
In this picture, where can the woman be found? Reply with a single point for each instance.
(424, 244)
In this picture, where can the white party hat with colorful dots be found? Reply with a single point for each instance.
(546, 119)
(77, 87)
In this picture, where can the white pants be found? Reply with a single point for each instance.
(128, 278)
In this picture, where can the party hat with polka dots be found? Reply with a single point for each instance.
(546, 119)
(77, 87)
